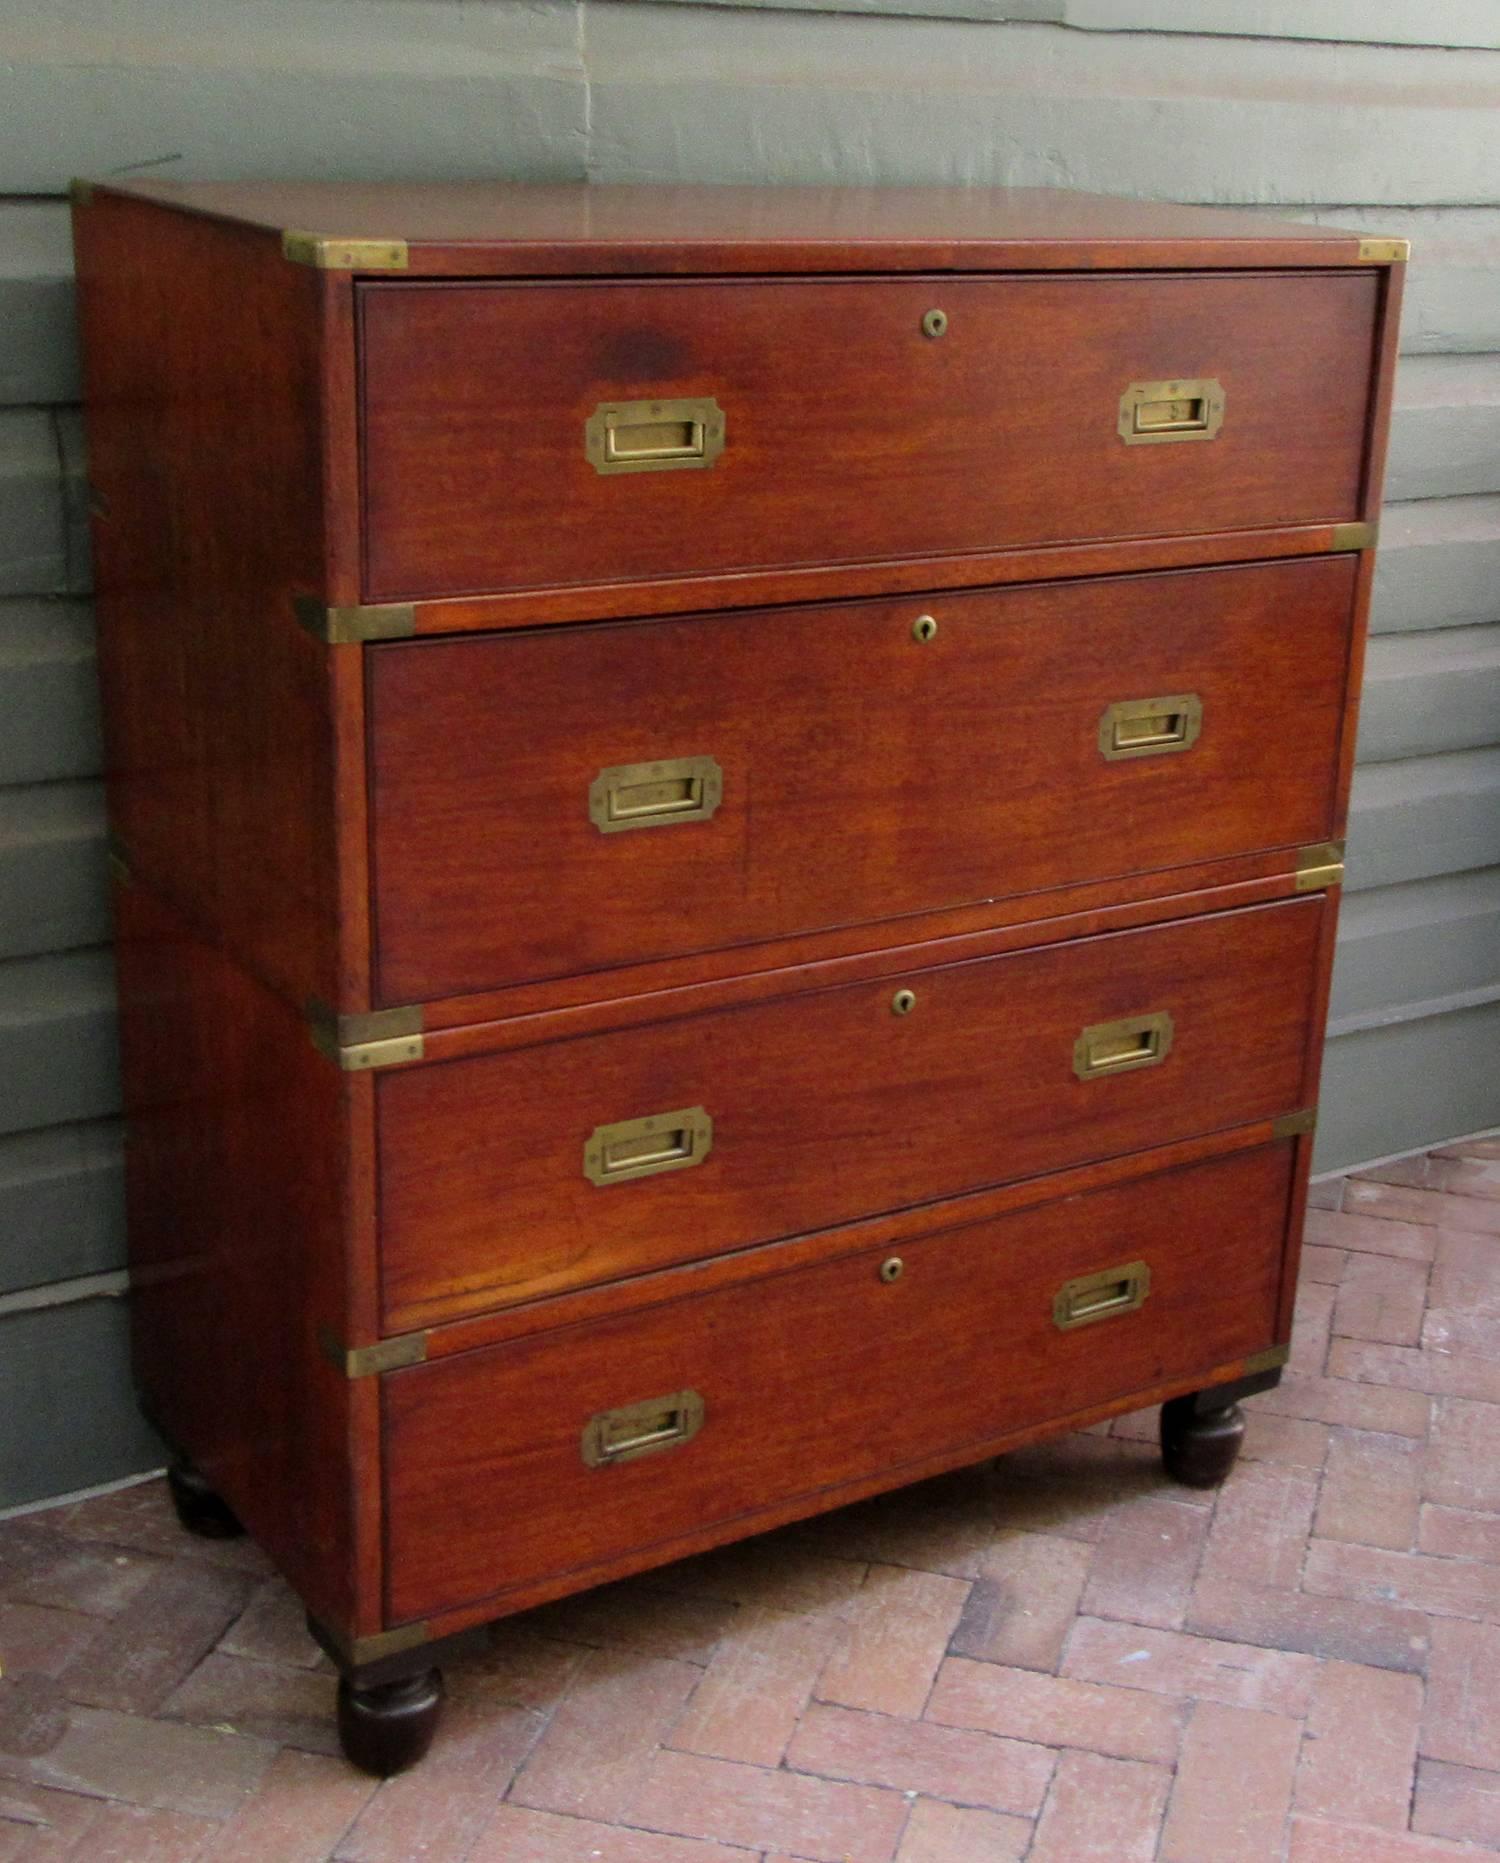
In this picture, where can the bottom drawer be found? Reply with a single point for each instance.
(556, 1453)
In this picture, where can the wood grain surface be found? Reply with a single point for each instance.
(817, 1377)
(239, 1254)
(849, 433)
(528, 230)
(202, 378)
(865, 775)
(828, 1107)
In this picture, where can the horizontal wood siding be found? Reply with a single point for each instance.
(65, 1374)
(1340, 111)
(1372, 22)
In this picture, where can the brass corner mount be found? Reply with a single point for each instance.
(357, 1043)
(353, 625)
(1384, 251)
(332, 254)
(1320, 866)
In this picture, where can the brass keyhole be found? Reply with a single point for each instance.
(923, 628)
(892, 1268)
(903, 1002)
(934, 322)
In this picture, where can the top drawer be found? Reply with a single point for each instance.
(840, 420)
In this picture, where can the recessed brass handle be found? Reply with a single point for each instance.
(653, 436)
(1117, 1047)
(1152, 413)
(641, 1429)
(1101, 1296)
(655, 795)
(1150, 727)
(634, 1148)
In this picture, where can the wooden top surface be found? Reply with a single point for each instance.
(514, 229)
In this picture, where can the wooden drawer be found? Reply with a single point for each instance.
(827, 1106)
(853, 772)
(847, 433)
(815, 1378)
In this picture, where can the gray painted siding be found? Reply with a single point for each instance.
(64, 1370)
(1375, 22)
(1283, 118)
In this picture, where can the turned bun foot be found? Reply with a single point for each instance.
(199, 1508)
(1199, 1444)
(388, 1728)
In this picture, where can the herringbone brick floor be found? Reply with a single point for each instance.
(1059, 1656)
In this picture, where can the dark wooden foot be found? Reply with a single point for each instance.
(199, 1509)
(389, 1727)
(1200, 1440)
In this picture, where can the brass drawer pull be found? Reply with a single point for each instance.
(619, 1154)
(1150, 727)
(655, 795)
(641, 1429)
(1101, 1296)
(1117, 1047)
(653, 436)
(1152, 413)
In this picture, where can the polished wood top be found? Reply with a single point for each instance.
(520, 228)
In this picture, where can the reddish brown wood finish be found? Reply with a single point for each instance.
(527, 1014)
(239, 1257)
(960, 1349)
(828, 1107)
(202, 369)
(345, 673)
(849, 433)
(866, 774)
(274, 1198)
(528, 230)
(745, 1267)
(1323, 974)
(755, 588)
(1381, 390)
(622, 1562)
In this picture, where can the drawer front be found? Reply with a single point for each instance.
(821, 423)
(551, 802)
(509, 1175)
(558, 1452)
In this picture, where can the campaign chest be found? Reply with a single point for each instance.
(727, 810)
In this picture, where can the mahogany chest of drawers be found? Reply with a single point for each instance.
(727, 808)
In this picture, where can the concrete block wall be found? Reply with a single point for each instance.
(1376, 114)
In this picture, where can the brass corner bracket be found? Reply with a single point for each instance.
(1270, 1360)
(367, 1361)
(343, 627)
(1320, 866)
(357, 1651)
(1384, 251)
(1294, 1125)
(1355, 536)
(379, 1038)
(344, 255)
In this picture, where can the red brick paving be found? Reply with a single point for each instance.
(1056, 1658)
